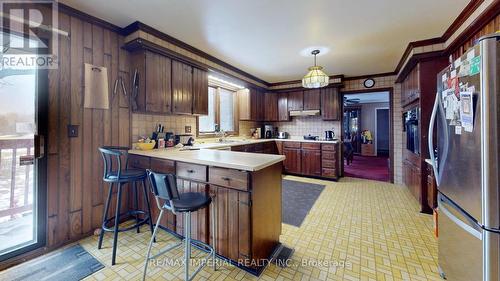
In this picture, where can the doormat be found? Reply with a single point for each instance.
(73, 263)
(298, 199)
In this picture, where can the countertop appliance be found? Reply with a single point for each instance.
(184, 139)
(467, 114)
(413, 130)
(310, 137)
(329, 135)
(282, 135)
(268, 131)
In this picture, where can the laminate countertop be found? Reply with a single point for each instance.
(214, 157)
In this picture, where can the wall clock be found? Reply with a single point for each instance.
(369, 83)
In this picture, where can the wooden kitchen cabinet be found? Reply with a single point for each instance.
(154, 73)
(200, 92)
(251, 104)
(293, 159)
(431, 187)
(283, 114)
(296, 100)
(270, 107)
(311, 162)
(331, 105)
(312, 99)
(182, 88)
(200, 218)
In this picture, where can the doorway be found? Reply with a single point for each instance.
(23, 120)
(367, 135)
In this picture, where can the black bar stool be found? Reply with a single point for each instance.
(164, 187)
(110, 155)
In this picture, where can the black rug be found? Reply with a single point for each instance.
(298, 198)
(73, 263)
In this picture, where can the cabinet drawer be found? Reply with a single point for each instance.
(163, 166)
(191, 171)
(328, 172)
(291, 144)
(313, 146)
(329, 155)
(140, 162)
(229, 178)
(328, 164)
(328, 146)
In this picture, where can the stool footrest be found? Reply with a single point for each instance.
(127, 214)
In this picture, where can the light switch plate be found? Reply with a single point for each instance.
(73, 131)
(187, 129)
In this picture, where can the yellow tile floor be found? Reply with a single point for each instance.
(374, 228)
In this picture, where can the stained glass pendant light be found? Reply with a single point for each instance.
(315, 78)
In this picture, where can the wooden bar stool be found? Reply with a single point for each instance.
(119, 176)
(164, 187)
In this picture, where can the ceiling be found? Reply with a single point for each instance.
(266, 38)
(374, 97)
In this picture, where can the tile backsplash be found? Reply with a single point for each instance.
(305, 125)
(145, 124)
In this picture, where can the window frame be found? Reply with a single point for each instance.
(236, 114)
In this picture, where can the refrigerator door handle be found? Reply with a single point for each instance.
(430, 140)
(467, 227)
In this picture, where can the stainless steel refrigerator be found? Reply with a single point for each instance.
(465, 155)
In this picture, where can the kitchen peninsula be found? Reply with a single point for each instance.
(247, 195)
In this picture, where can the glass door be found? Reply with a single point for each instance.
(23, 108)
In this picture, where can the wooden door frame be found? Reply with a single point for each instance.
(376, 126)
(390, 90)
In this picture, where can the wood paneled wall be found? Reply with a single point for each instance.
(75, 189)
(491, 27)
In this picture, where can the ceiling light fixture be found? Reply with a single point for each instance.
(315, 78)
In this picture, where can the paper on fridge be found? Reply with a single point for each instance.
(467, 111)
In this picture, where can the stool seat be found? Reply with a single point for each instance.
(189, 202)
(126, 175)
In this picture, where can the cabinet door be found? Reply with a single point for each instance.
(244, 104)
(283, 114)
(158, 83)
(182, 87)
(233, 222)
(311, 162)
(200, 92)
(312, 99)
(271, 106)
(199, 219)
(330, 104)
(292, 163)
(296, 100)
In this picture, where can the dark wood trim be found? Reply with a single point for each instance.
(136, 26)
(483, 19)
(291, 89)
(462, 17)
(414, 60)
(391, 121)
(88, 18)
(370, 76)
(291, 82)
(413, 45)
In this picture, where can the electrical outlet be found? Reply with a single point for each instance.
(73, 131)
(187, 129)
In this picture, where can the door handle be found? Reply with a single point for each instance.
(442, 203)
(430, 139)
(39, 146)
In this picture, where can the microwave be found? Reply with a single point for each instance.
(412, 128)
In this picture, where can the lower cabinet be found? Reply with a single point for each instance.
(233, 222)
(311, 162)
(200, 218)
(412, 176)
(293, 160)
(431, 187)
(311, 159)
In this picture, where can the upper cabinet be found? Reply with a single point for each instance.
(331, 104)
(154, 92)
(312, 99)
(283, 114)
(296, 100)
(200, 92)
(182, 88)
(271, 106)
(166, 86)
(251, 104)
(410, 87)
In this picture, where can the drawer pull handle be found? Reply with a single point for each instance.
(190, 171)
(226, 178)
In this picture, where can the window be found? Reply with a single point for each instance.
(221, 112)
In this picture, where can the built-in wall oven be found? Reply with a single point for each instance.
(412, 130)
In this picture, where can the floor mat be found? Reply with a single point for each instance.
(298, 198)
(73, 263)
(368, 167)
